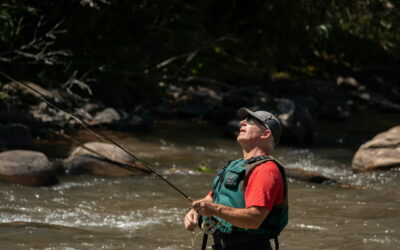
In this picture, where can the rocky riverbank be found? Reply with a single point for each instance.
(298, 104)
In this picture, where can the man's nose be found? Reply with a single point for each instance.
(243, 122)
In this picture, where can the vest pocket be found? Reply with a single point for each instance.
(233, 177)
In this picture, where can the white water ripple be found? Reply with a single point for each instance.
(311, 227)
(81, 218)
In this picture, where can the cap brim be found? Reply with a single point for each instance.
(243, 113)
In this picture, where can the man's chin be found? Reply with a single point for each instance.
(240, 140)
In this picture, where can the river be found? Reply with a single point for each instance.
(142, 212)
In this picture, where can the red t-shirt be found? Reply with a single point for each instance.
(264, 187)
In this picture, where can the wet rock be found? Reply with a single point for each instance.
(26, 95)
(27, 168)
(209, 94)
(308, 176)
(14, 136)
(52, 117)
(82, 161)
(196, 101)
(106, 116)
(374, 88)
(377, 100)
(92, 108)
(83, 114)
(349, 83)
(382, 152)
(297, 123)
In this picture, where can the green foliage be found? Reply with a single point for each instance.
(12, 14)
(204, 167)
(143, 42)
(3, 95)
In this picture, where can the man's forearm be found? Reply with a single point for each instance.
(241, 217)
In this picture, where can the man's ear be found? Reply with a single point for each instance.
(266, 134)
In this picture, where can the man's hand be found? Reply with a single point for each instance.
(191, 219)
(205, 207)
(251, 217)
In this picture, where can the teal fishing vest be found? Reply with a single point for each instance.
(228, 190)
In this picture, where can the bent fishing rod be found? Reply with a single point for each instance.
(98, 134)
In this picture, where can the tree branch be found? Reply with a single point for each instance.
(38, 49)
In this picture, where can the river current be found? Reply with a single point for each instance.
(142, 212)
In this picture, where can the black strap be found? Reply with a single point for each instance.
(204, 243)
(276, 241)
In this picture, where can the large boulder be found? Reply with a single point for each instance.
(382, 152)
(27, 168)
(107, 161)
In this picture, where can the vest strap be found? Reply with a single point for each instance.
(204, 242)
(276, 242)
(250, 168)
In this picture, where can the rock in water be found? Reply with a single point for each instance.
(27, 168)
(382, 152)
(82, 161)
(308, 176)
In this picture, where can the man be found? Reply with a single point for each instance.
(248, 200)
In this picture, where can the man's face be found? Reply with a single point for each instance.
(250, 131)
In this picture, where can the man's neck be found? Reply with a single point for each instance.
(253, 152)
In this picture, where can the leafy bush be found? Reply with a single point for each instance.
(150, 41)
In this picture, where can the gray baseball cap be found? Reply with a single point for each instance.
(266, 118)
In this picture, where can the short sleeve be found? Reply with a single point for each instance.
(264, 186)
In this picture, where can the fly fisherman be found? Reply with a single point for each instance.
(248, 202)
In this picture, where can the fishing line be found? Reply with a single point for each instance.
(97, 133)
(194, 239)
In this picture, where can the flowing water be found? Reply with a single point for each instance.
(142, 212)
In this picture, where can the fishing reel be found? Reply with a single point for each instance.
(209, 226)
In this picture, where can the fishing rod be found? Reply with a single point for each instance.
(98, 134)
